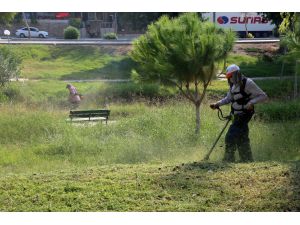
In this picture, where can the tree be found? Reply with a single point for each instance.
(274, 17)
(292, 38)
(287, 23)
(292, 42)
(138, 21)
(10, 65)
(183, 52)
(282, 20)
(26, 23)
(7, 17)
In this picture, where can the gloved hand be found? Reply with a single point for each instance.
(214, 106)
(249, 106)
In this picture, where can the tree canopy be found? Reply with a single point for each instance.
(6, 17)
(182, 51)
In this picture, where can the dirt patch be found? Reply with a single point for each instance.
(117, 49)
(255, 49)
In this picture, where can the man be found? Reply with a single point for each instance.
(74, 96)
(243, 94)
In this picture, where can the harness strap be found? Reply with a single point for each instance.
(242, 101)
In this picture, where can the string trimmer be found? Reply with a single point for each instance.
(222, 118)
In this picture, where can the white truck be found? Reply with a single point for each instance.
(242, 22)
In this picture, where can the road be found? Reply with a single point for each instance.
(91, 41)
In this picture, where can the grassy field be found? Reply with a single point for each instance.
(99, 62)
(268, 186)
(73, 62)
(147, 158)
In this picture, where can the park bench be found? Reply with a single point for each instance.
(89, 115)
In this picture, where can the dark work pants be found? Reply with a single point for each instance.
(237, 137)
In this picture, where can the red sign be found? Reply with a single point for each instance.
(248, 20)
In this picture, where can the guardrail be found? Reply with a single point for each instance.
(98, 41)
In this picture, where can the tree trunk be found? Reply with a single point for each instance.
(26, 23)
(197, 131)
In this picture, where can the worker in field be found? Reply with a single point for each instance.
(74, 97)
(243, 94)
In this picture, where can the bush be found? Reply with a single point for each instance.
(75, 22)
(71, 33)
(249, 35)
(10, 65)
(110, 36)
(279, 111)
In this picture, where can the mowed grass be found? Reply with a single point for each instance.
(193, 187)
(113, 62)
(73, 62)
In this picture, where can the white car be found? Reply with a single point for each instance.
(34, 32)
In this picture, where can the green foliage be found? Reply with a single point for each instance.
(280, 111)
(182, 49)
(292, 40)
(249, 35)
(260, 66)
(110, 36)
(10, 65)
(287, 22)
(75, 22)
(71, 33)
(7, 17)
(138, 21)
(11, 93)
(182, 52)
(274, 17)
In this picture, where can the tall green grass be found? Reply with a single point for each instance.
(42, 140)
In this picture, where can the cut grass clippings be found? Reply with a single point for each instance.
(158, 187)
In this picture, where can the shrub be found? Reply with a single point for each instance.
(10, 65)
(75, 22)
(279, 111)
(71, 33)
(249, 35)
(110, 36)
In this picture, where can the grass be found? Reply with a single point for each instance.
(192, 187)
(259, 66)
(70, 62)
(98, 62)
(42, 140)
(144, 159)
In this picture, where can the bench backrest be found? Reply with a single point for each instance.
(90, 113)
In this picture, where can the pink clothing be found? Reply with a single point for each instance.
(73, 96)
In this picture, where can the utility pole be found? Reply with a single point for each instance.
(116, 23)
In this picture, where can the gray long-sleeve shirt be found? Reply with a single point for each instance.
(257, 95)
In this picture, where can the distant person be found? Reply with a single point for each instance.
(74, 97)
(243, 94)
